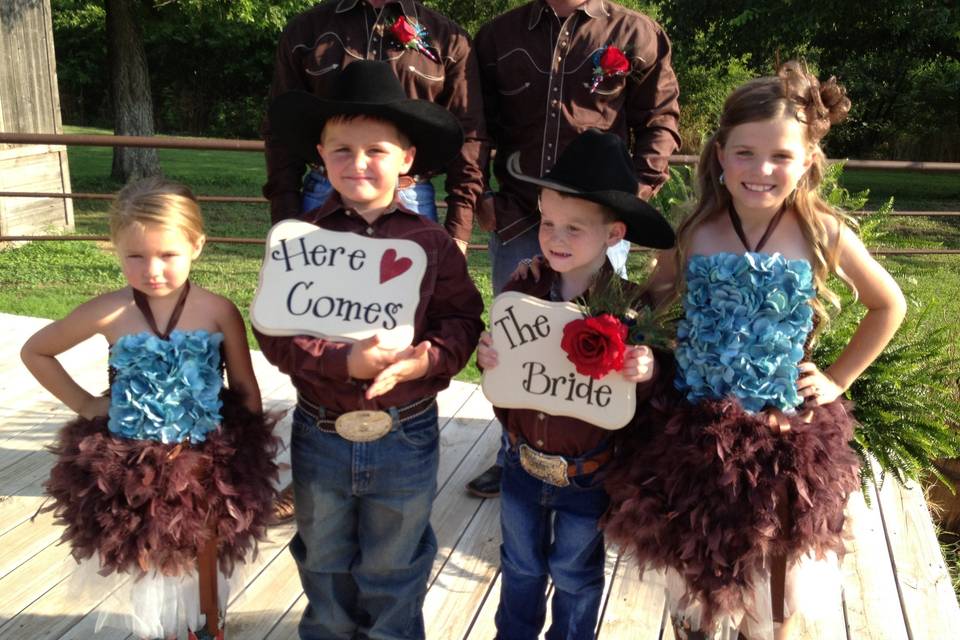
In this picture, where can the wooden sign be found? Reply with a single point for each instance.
(338, 285)
(533, 371)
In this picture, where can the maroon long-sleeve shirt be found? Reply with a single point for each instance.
(448, 316)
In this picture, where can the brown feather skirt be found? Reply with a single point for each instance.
(695, 490)
(143, 505)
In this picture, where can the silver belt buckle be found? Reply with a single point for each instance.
(549, 469)
(363, 426)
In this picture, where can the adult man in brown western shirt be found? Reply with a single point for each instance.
(335, 33)
(537, 67)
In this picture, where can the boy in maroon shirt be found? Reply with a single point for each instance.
(364, 546)
(550, 508)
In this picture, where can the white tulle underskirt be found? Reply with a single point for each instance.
(812, 593)
(149, 606)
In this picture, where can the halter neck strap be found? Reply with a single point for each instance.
(738, 227)
(140, 299)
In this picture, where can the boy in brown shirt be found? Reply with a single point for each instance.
(549, 521)
(364, 546)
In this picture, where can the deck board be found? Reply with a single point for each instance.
(36, 599)
(928, 597)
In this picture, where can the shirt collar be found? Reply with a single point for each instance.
(407, 6)
(334, 203)
(556, 281)
(593, 9)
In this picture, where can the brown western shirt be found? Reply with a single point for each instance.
(537, 71)
(448, 315)
(323, 40)
(557, 435)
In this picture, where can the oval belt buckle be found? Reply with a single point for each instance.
(363, 426)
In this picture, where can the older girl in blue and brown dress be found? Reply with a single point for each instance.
(171, 474)
(739, 491)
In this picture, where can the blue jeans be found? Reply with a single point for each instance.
(549, 530)
(420, 198)
(505, 257)
(364, 545)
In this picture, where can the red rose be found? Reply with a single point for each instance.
(403, 31)
(595, 345)
(613, 61)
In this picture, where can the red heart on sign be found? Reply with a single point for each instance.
(391, 266)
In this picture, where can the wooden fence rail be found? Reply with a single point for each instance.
(220, 144)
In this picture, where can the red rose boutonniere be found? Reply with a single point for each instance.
(595, 345)
(608, 63)
(411, 35)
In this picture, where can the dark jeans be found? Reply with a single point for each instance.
(549, 530)
(364, 545)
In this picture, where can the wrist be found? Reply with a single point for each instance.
(832, 378)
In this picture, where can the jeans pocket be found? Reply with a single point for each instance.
(301, 425)
(422, 431)
(587, 482)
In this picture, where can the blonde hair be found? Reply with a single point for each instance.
(791, 94)
(157, 201)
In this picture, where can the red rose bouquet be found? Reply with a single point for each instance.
(411, 35)
(613, 319)
(608, 63)
(595, 345)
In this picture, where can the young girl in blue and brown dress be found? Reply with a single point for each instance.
(171, 474)
(740, 489)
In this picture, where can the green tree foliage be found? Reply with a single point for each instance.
(900, 60)
(211, 62)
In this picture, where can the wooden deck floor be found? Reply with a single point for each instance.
(895, 585)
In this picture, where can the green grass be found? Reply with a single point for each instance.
(912, 190)
(48, 279)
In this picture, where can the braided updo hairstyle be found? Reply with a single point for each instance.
(792, 93)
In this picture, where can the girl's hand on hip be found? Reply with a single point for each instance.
(816, 387)
(95, 407)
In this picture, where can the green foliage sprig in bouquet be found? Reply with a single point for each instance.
(613, 318)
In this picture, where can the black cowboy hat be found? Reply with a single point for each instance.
(596, 166)
(368, 88)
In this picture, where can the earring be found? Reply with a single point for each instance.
(721, 179)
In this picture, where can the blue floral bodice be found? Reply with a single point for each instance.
(746, 320)
(166, 390)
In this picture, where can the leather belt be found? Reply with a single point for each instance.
(326, 418)
(555, 469)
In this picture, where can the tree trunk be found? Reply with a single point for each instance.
(129, 91)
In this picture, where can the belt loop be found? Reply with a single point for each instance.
(395, 416)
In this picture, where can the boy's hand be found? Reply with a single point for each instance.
(367, 359)
(409, 364)
(637, 363)
(486, 354)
